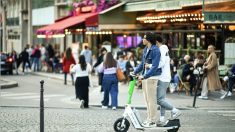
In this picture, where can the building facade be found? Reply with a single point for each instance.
(16, 24)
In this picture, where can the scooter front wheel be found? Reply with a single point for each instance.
(119, 127)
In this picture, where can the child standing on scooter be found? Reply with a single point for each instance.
(163, 83)
(151, 55)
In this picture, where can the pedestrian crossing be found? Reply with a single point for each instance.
(227, 113)
(28, 96)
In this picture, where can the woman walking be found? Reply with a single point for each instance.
(110, 81)
(82, 71)
(67, 61)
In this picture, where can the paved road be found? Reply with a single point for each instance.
(21, 119)
(19, 109)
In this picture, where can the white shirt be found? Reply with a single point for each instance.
(78, 71)
(164, 64)
(87, 54)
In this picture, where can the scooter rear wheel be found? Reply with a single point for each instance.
(118, 125)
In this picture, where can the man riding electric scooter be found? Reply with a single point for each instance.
(151, 56)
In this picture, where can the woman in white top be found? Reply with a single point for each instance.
(82, 70)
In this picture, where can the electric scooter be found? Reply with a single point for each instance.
(122, 124)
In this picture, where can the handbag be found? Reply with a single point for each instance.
(120, 75)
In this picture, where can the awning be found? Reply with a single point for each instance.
(92, 21)
(172, 16)
(59, 26)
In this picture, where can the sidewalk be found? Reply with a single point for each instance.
(179, 100)
(7, 83)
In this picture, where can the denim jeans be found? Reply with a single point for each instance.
(161, 97)
(110, 85)
(36, 63)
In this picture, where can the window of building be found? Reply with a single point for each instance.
(42, 3)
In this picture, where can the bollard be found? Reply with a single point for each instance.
(41, 107)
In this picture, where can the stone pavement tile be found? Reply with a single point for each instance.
(20, 119)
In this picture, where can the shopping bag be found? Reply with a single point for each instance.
(120, 75)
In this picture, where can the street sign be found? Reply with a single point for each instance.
(219, 17)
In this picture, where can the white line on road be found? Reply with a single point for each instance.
(227, 115)
(36, 96)
(231, 111)
(18, 94)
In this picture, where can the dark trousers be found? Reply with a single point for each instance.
(82, 90)
(110, 85)
(65, 78)
(100, 77)
(24, 62)
(231, 81)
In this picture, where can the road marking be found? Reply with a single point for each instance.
(70, 100)
(45, 99)
(35, 96)
(17, 94)
(227, 115)
(217, 108)
(222, 111)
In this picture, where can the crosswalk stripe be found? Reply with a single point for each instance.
(35, 96)
(227, 114)
(17, 94)
(222, 111)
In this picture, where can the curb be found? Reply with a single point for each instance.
(96, 106)
(57, 78)
(8, 84)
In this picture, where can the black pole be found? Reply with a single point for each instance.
(41, 107)
(197, 87)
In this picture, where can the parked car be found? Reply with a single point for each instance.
(6, 64)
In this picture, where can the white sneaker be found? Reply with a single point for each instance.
(175, 115)
(229, 94)
(203, 97)
(114, 108)
(82, 104)
(148, 124)
(223, 96)
(162, 123)
(222, 91)
(104, 107)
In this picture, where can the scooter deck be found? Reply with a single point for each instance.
(160, 128)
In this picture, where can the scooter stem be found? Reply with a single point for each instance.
(130, 91)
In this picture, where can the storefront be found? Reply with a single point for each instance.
(183, 25)
(72, 28)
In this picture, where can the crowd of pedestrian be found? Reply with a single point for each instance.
(156, 70)
(37, 58)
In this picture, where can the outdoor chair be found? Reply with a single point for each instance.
(182, 84)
